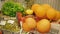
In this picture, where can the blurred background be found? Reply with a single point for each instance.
(54, 3)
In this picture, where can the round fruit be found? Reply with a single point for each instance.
(31, 22)
(46, 6)
(40, 12)
(43, 26)
(29, 11)
(51, 13)
(57, 15)
(26, 27)
(35, 6)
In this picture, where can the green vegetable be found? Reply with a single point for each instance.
(10, 8)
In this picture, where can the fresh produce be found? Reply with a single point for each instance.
(43, 26)
(10, 8)
(37, 18)
(46, 6)
(51, 14)
(27, 16)
(30, 16)
(57, 15)
(26, 27)
(35, 6)
(29, 24)
(29, 11)
(44, 11)
(40, 12)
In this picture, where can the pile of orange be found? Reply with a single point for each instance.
(42, 26)
(45, 11)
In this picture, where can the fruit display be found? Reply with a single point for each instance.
(41, 19)
(36, 18)
(45, 11)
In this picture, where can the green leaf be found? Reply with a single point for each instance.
(11, 7)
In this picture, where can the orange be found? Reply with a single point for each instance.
(29, 24)
(40, 12)
(35, 6)
(57, 15)
(51, 13)
(46, 6)
(43, 26)
(26, 27)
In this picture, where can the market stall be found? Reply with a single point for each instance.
(29, 17)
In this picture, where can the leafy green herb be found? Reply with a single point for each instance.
(10, 8)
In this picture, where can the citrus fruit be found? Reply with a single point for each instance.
(43, 26)
(35, 6)
(29, 11)
(51, 13)
(26, 27)
(29, 24)
(46, 6)
(57, 15)
(40, 12)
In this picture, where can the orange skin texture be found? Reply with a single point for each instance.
(51, 13)
(43, 26)
(57, 15)
(46, 6)
(29, 24)
(40, 12)
(26, 27)
(35, 6)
